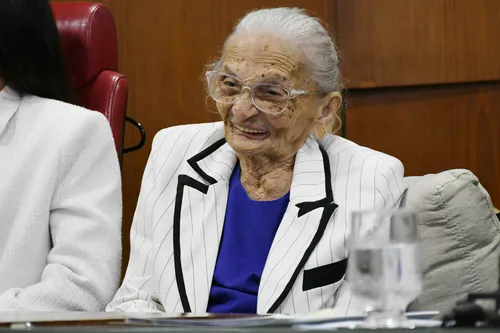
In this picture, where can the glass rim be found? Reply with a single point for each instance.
(289, 91)
(252, 93)
(253, 102)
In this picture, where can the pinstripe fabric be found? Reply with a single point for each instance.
(180, 214)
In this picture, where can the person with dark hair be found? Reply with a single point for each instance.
(60, 186)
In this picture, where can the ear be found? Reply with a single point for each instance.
(326, 114)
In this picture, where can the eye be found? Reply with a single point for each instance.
(271, 92)
(228, 81)
(275, 92)
(227, 85)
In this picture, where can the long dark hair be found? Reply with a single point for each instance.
(31, 59)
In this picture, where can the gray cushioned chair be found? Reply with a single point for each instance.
(460, 237)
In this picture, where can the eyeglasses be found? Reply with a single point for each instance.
(269, 98)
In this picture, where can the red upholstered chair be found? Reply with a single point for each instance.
(89, 43)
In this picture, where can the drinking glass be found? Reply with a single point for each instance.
(384, 266)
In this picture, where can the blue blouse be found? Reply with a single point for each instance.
(249, 230)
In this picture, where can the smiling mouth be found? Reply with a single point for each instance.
(250, 133)
(249, 130)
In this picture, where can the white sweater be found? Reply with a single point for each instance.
(60, 206)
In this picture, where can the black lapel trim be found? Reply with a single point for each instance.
(183, 180)
(304, 208)
(325, 217)
(193, 161)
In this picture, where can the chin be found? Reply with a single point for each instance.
(244, 146)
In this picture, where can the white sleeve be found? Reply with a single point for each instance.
(83, 265)
(389, 183)
(137, 293)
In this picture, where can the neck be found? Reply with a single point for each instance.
(265, 178)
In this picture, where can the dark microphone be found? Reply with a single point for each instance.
(470, 314)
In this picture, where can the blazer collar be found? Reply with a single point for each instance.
(311, 184)
(215, 163)
(9, 104)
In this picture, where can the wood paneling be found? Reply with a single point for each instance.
(412, 42)
(432, 129)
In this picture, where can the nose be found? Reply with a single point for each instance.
(243, 108)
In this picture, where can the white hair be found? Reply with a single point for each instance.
(305, 34)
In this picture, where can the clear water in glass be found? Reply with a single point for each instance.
(384, 266)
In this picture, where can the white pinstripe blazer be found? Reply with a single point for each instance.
(179, 220)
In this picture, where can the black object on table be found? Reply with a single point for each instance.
(471, 314)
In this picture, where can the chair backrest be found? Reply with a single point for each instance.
(89, 44)
(459, 238)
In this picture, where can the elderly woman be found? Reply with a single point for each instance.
(251, 214)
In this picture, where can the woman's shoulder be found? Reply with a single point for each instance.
(53, 111)
(190, 131)
(347, 155)
(54, 124)
(188, 139)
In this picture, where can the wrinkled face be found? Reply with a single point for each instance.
(256, 59)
